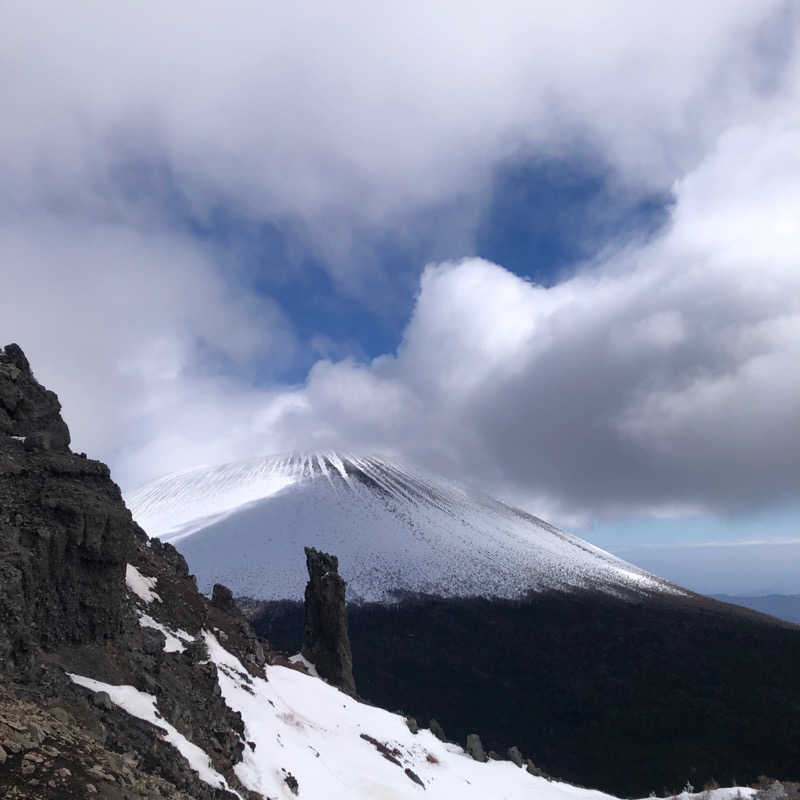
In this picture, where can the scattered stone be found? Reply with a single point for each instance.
(412, 724)
(437, 730)
(494, 756)
(90, 788)
(475, 748)
(291, 782)
(515, 756)
(390, 754)
(414, 777)
(533, 769)
(326, 642)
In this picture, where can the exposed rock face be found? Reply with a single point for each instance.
(66, 544)
(27, 409)
(65, 533)
(222, 598)
(326, 642)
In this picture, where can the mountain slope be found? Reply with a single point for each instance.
(393, 530)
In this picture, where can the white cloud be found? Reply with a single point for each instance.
(353, 119)
(140, 335)
(660, 377)
(663, 378)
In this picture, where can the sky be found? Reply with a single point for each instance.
(549, 250)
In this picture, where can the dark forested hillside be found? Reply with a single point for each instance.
(624, 696)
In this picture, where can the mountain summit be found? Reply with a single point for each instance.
(395, 531)
(498, 621)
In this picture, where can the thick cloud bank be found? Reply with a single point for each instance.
(350, 120)
(665, 379)
(659, 378)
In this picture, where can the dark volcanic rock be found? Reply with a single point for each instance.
(475, 747)
(65, 540)
(222, 598)
(27, 409)
(326, 642)
(514, 755)
(65, 533)
(437, 730)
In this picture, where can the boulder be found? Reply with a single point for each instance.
(475, 748)
(515, 756)
(437, 730)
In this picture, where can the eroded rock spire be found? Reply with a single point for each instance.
(326, 642)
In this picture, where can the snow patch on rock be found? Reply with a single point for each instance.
(140, 585)
(143, 706)
(175, 639)
(299, 658)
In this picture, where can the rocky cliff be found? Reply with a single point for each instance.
(83, 591)
(65, 534)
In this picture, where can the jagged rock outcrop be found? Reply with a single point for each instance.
(65, 534)
(326, 642)
(27, 409)
(222, 598)
(67, 545)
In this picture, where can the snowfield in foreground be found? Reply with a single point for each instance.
(336, 748)
(245, 525)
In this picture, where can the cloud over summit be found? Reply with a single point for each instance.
(663, 379)
(658, 376)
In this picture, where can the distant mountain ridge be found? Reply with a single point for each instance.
(394, 530)
(782, 606)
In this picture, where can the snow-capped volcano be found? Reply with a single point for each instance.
(245, 524)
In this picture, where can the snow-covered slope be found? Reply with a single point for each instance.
(245, 524)
(307, 739)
